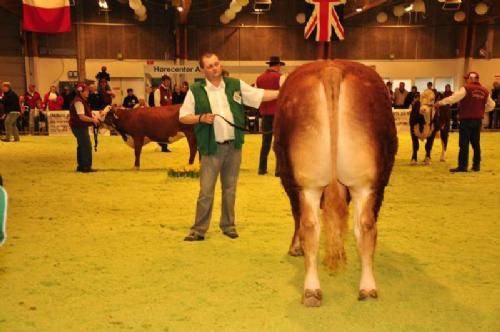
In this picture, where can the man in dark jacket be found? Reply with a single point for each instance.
(95, 99)
(12, 110)
(131, 100)
(103, 75)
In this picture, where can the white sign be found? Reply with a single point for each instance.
(59, 123)
(158, 71)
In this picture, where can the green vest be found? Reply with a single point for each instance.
(205, 134)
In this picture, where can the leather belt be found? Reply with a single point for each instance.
(226, 142)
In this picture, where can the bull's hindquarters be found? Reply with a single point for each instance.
(336, 143)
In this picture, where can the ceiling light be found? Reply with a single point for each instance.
(359, 10)
(409, 8)
(180, 9)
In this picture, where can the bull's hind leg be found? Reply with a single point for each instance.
(444, 142)
(365, 230)
(335, 215)
(309, 202)
(295, 247)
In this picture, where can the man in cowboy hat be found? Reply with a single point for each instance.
(271, 79)
(474, 101)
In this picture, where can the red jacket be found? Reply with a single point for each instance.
(31, 99)
(74, 119)
(269, 80)
(53, 105)
(473, 105)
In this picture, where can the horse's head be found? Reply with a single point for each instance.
(108, 117)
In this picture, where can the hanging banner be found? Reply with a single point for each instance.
(327, 16)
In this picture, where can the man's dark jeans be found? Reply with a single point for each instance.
(84, 149)
(470, 131)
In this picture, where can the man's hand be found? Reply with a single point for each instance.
(207, 118)
(96, 122)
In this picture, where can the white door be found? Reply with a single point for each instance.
(120, 85)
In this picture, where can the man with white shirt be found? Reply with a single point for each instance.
(474, 101)
(212, 105)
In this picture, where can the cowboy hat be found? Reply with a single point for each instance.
(275, 60)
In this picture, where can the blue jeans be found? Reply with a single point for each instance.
(84, 148)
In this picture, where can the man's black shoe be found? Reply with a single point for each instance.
(231, 234)
(458, 169)
(194, 237)
(475, 168)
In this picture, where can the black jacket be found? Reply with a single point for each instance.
(10, 102)
(96, 101)
(130, 101)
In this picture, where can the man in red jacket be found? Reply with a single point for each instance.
(474, 101)
(271, 79)
(31, 97)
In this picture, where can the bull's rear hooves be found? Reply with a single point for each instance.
(296, 252)
(367, 295)
(312, 298)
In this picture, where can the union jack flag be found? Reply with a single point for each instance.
(326, 14)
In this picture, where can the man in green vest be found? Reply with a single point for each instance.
(3, 212)
(215, 107)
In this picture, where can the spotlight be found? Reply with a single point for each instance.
(359, 10)
(180, 9)
(103, 6)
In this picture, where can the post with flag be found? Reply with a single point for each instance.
(46, 16)
(327, 19)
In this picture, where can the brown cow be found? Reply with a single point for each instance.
(138, 126)
(335, 142)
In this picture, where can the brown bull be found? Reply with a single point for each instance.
(335, 143)
(139, 126)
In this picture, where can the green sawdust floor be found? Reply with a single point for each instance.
(104, 251)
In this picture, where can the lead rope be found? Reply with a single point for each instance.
(239, 127)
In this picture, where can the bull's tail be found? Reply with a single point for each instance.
(334, 208)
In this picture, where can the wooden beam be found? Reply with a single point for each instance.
(366, 7)
(183, 16)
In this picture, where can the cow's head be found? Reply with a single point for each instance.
(108, 117)
(426, 110)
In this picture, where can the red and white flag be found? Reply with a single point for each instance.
(327, 15)
(49, 16)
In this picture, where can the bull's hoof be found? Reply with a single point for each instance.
(312, 298)
(136, 168)
(367, 295)
(296, 252)
(427, 161)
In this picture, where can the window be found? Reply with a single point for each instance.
(442, 81)
(421, 83)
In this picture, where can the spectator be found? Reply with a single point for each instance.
(40, 117)
(400, 96)
(23, 122)
(391, 92)
(95, 99)
(105, 92)
(178, 95)
(411, 96)
(163, 97)
(131, 100)
(494, 116)
(68, 96)
(151, 96)
(31, 97)
(185, 87)
(103, 75)
(12, 110)
(52, 100)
